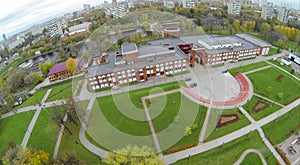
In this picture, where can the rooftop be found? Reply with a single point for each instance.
(129, 48)
(253, 40)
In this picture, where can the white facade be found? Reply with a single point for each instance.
(118, 10)
(169, 4)
(15, 43)
(189, 3)
(37, 29)
(267, 11)
(54, 27)
(234, 8)
(283, 14)
(295, 57)
(84, 27)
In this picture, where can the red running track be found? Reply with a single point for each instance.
(244, 92)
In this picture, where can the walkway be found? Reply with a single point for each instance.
(60, 133)
(283, 70)
(256, 70)
(172, 158)
(33, 121)
(238, 162)
(268, 99)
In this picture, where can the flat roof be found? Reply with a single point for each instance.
(253, 40)
(129, 48)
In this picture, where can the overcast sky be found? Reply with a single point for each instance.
(18, 15)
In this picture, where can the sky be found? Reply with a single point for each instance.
(19, 15)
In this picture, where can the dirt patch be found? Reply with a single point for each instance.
(227, 119)
(259, 106)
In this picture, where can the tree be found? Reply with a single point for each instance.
(33, 79)
(236, 26)
(58, 117)
(18, 155)
(265, 29)
(45, 67)
(69, 159)
(133, 155)
(71, 65)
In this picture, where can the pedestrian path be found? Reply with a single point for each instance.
(33, 121)
(283, 70)
(258, 69)
(60, 133)
(268, 99)
(245, 153)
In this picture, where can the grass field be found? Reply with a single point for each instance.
(273, 51)
(263, 113)
(279, 128)
(33, 100)
(13, 129)
(228, 153)
(13, 64)
(219, 132)
(252, 158)
(247, 68)
(271, 88)
(59, 92)
(287, 68)
(71, 144)
(171, 116)
(119, 121)
(48, 128)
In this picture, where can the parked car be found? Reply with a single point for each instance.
(224, 71)
(187, 79)
(115, 87)
(193, 85)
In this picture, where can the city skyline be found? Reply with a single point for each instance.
(18, 16)
(21, 15)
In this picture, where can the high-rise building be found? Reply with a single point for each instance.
(267, 10)
(117, 10)
(169, 4)
(4, 37)
(283, 14)
(86, 7)
(234, 8)
(188, 3)
(54, 27)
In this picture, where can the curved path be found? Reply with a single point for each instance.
(240, 160)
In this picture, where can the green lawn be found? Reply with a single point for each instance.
(273, 51)
(118, 120)
(33, 100)
(219, 132)
(48, 128)
(178, 113)
(285, 67)
(252, 158)
(264, 83)
(247, 68)
(59, 92)
(178, 74)
(263, 113)
(13, 129)
(279, 128)
(13, 64)
(71, 144)
(228, 153)
(270, 158)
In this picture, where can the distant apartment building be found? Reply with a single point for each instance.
(267, 10)
(246, 2)
(283, 14)
(86, 7)
(80, 28)
(116, 9)
(36, 29)
(4, 37)
(169, 3)
(189, 3)
(130, 3)
(12, 43)
(234, 8)
(54, 27)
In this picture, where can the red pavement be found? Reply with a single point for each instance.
(244, 92)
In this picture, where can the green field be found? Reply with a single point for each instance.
(13, 64)
(178, 104)
(59, 92)
(273, 51)
(13, 129)
(252, 158)
(285, 67)
(228, 153)
(271, 88)
(263, 113)
(247, 68)
(48, 128)
(279, 128)
(219, 132)
(33, 100)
